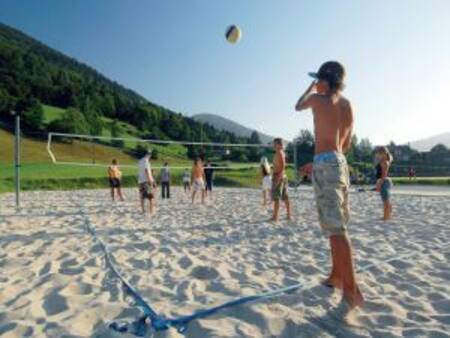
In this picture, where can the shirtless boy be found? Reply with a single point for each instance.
(279, 180)
(333, 124)
(198, 180)
(115, 179)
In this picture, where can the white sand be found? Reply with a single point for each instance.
(54, 283)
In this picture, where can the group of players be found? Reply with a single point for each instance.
(333, 126)
(199, 180)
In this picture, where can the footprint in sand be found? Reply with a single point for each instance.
(54, 303)
(204, 273)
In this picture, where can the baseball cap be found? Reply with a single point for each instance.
(331, 71)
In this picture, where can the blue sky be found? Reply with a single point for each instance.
(173, 52)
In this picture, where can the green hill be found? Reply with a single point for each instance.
(39, 173)
(54, 92)
(33, 74)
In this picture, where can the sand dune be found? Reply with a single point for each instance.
(54, 281)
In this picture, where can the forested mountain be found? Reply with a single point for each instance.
(32, 74)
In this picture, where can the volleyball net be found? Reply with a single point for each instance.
(232, 164)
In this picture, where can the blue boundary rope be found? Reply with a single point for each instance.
(152, 321)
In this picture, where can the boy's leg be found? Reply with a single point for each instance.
(193, 196)
(168, 190)
(142, 205)
(343, 259)
(112, 194)
(119, 192)
(288, 208)
(203, 196)
(150, 206)
(276, 209)
(276, 194)
(335, 280)
(387, 206)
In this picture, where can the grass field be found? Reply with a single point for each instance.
(422, 180)
(38, 171)
(51, 113)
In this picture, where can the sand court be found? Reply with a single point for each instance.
(54, 281)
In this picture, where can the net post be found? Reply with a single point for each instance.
(17, 156)
(49, 147)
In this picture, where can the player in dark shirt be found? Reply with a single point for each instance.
(209, 175)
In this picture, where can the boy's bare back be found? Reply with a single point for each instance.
(333, 122)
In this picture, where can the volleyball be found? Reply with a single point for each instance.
(233, 34)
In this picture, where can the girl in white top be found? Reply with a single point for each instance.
(266, 180)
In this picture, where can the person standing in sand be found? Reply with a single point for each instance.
(165, 181)
(209, 176)
(384, 183)
(115, 179)
(279, 181)
(266, 184)
(333, 125)
(187, 180)
(198, 180)
(146, 182)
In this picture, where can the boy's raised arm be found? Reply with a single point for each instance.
(305, 101)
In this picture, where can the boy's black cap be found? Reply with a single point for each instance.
(331, 71)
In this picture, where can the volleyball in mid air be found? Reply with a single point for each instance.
(233, 34)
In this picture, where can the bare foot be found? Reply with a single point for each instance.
(354, 299)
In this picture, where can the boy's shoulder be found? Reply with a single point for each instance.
(344, 100)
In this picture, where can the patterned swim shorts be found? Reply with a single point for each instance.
(279, 189)
(146, 190)
(331, 183)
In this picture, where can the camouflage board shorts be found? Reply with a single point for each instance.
(279, 189)
(331, 183)
(146, 190)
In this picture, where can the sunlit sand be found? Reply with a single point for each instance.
(54, 281)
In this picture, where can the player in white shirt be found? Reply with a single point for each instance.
(146, 182)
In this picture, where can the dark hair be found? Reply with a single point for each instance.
(278, 140)
(385, 151)
(264, 170)
(333, 73)
(114, 161)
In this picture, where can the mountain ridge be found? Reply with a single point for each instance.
(427, 143)
(229, 125)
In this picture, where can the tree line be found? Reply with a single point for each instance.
(32, 74)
